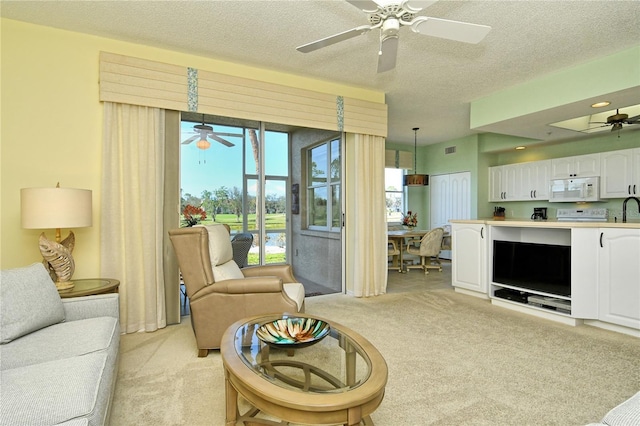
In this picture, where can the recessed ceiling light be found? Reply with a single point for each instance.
(600, 104)
(520, 147)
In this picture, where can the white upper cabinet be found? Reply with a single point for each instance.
(576, 166)
(620, 173)
(519, 182)
(535, 180)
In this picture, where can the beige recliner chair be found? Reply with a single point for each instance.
(220, 293)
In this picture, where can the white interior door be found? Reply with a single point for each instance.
(450, 199)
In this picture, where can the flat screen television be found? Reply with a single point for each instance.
(541, 267)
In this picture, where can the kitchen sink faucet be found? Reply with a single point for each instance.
(624, 207)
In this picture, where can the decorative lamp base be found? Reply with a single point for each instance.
(64, 285)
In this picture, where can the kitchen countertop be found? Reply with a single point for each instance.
(552, 223)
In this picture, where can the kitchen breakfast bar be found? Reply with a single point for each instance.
(571, 272)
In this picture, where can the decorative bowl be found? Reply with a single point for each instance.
(293, 332)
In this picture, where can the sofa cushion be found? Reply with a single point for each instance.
(220, 249)
(88, 335)
(30, 301)
(227, 271)
(52, 392)
(296, 292)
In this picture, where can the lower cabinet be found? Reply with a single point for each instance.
(604, 277)
(619, 277)
(469, 257)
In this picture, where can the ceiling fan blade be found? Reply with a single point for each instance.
(328, 41)
(219, 139)
(452, 30)
(235, 135)
(417, 5)
(388, 53)
(191, 139)
(633, 120)
(364, 5)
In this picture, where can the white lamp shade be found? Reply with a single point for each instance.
(51, 208)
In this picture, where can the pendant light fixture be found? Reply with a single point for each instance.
(415, 179)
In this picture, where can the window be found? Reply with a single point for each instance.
(323, 186)
(393, 183)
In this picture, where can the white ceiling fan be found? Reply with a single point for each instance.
(389, 17)
(204, 131)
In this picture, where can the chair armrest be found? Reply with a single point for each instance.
(285, 272)
(101, 305)
(243, 286)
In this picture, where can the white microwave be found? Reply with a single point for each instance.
(574, 190)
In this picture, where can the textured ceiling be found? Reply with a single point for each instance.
(435, 79)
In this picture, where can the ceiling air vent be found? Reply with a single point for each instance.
(450, 150)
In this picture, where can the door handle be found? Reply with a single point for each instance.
(482, 232)
(629, 190)
(634, 189)
(601, 234)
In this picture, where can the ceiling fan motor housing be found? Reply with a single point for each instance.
(617, 118)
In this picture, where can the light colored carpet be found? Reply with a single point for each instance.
(453, 360)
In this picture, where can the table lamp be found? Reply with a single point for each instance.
(55, 208)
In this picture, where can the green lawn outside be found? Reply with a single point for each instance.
(272, 221)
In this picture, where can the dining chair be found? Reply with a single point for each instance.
(394, 253)
(428, 251)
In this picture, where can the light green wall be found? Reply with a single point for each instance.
(477, 153)
(610, 74)
(608, 141)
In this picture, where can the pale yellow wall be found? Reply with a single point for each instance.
(51, 122)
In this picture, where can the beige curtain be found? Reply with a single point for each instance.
(366, 227)
(132, 212)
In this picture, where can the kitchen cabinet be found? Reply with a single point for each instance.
(535, 180)
(519, 182)
(619, 277)
(620, 173)
(496, 191)
(469, 256)
(576, 166)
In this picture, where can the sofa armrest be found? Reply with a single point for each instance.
(101, 305)
(243, 286)
(285, 272)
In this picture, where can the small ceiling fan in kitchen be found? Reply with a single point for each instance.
(204, 132)
(618, 120)
(389, 16)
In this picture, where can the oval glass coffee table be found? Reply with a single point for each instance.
(338, 380)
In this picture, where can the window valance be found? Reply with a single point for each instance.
(398, 159)
(136, 81)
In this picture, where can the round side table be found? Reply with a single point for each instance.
(90, 286)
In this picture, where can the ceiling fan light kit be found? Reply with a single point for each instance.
(204, 131)
(389, 18)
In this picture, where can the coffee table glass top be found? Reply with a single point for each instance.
(335, 364)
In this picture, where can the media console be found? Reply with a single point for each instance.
(570, 272)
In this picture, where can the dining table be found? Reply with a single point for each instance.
(401, 236)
